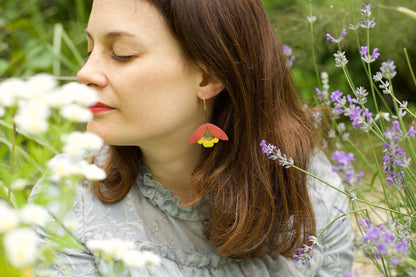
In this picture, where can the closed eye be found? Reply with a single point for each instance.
(121, 58)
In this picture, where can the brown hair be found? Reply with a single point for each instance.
(257, 206)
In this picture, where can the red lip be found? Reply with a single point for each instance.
(100, 107)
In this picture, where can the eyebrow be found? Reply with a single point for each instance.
(112, 34)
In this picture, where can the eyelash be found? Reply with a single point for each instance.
(121, 58)
(115, 57)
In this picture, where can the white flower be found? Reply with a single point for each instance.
(77, 143)
(10, 91)
(76, 113)
(31, 125)
(58, 98)
(40, 84)
(34, 214)
(2, 111)
(92, 141)
(138, 259)
(19, 184)
(8, 218)
(311, 18)
(63, 166)
(112, 247)
(70, 224)
(74, 144)
(21, 247)
(33, 108)
(80, 94)
(386, 116)
(32, 116)
(93, 172)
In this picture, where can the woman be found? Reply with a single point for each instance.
(163, 68)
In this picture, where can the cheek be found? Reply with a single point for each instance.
(157, 85)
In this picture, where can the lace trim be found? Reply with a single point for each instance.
(162, 198)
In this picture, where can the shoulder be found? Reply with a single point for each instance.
(330, 203)
(326, 200)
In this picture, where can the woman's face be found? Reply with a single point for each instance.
(142, 76)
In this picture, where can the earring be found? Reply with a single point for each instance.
(207, 134)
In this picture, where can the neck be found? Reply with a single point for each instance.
(173, 167)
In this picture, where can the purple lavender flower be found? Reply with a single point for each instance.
(384, 241)
(287, 51)
(304, 255)
(360, 118)
(365, 56)
(411, 132)
(361, 94)
(394, 160)
(354, 27)
(366, 22)
(340, 59)
(385, 86)
(366, 10)
(377, 77)
(336, 40)
(388, 69)
(275, 154)
(346, 170)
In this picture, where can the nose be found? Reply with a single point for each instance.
(92, 73)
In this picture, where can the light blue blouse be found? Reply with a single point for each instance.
(150, 217)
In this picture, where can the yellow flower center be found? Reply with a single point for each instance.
(208, 139)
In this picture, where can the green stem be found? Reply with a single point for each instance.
(348, 194)
(410, 66)
(318, 79)
(334, 220)
(57, 43)
(12, 158)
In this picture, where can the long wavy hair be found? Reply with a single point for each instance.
(257, 206)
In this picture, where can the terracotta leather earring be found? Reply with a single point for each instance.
(207, 134)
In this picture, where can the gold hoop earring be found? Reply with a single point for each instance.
(207, 134)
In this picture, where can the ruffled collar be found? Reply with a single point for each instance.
(162, 198)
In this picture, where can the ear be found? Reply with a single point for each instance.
(209, 87)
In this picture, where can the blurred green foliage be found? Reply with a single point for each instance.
(42, 36)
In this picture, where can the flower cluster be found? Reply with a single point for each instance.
(387, 71)
(305, 254)
(20, 240)
(345, 169)
(361, 118)
(387, 242)
(367, 22)
(323, 95)
(36, 97)
(340, 59)
(394, 160)
(275, 154)
(123, 251)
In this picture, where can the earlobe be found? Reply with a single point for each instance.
(209, 87)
